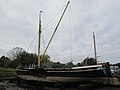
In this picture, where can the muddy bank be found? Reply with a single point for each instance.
(7, 85)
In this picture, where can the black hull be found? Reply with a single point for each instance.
(64, 73)
(83, 74)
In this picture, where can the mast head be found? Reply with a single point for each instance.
(40, 15)
(68, 1)
(41, 11)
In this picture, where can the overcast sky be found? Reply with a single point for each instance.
(19, 26)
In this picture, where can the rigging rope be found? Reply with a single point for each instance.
(90, 50)
(75, 30)
(43, 42)
(53, 18)
(32, 41)
(99, 52)
(45, 27)
(70, 35)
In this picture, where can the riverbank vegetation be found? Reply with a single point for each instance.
(19, 57)
(7, 72)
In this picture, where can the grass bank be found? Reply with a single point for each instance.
(7, 72)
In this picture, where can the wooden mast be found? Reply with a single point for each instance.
(55, 30)
(95, 53)
(39, 38)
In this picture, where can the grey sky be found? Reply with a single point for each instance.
(19, 25)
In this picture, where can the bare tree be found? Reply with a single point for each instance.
(12, 54)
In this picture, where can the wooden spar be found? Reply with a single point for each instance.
(94, 47)
(55, 30)
(39, 38)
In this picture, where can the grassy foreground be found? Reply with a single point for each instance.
(7, 72)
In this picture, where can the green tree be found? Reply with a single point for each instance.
(70, 65)
(89, 61)
(79, 64)
(4, 61)
(57, 65)
(24, 59)
(20, 57)
(118, 64)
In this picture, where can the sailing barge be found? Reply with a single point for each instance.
(100, 73)
(75, 74)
